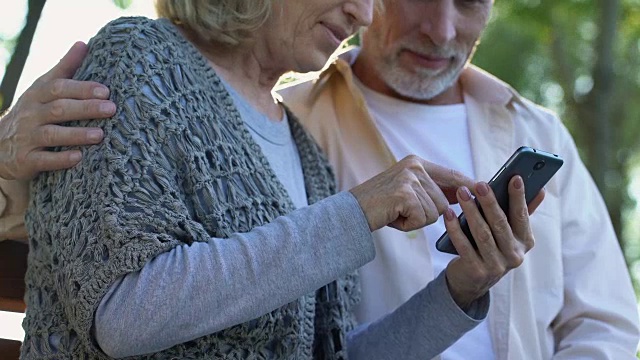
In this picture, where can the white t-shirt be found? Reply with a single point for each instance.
(438, 134)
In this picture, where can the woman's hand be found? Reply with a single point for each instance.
(32, 125)
(409, 195)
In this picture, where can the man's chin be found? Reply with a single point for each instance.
(418, 90)
(419, 96)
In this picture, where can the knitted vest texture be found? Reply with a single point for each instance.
(174, 168)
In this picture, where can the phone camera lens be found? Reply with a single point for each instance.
(539, 165)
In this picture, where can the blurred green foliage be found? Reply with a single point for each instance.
(123, 4)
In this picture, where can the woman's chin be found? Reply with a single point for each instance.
(312, 61)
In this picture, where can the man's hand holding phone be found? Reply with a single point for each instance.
(535, 168)
(502, 240)
(493, 234)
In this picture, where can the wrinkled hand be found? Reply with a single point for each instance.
(502, 241)
(32, 124)
(409, 195)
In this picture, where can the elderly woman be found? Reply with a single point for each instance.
(205, 224)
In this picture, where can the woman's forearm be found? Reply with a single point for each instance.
(421, 328)
(200, 289)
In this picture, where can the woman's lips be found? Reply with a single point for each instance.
(337, 32)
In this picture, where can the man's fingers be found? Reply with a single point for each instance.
(64, 110)
(55, 135)
(457, 236)
(55, 84)
(69, 63)
(533, 205)
(479, 228)
(496, 218)
(49, 160)
(518, 213)
(62, 88)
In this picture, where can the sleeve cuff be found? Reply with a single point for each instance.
(477, 311)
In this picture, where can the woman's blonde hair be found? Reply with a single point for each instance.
(229, 22)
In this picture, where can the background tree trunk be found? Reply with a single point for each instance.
(598, 113)
(20, 54)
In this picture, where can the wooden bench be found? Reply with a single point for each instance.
(13, 265)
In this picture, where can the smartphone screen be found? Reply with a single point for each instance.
(536, 167)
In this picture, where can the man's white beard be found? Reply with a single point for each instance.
(423, 84)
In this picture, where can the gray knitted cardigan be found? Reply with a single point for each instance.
(175, 168)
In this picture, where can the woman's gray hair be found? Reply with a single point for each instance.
(228, 22)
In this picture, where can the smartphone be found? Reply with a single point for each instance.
(536, 167)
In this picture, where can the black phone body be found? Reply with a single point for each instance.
(536, 168)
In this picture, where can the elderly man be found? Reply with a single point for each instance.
(411, 90)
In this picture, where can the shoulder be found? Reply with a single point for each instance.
(487, 90)
(296, 94)
(148, 66)
(126, 42)
(530, 110)
(539, 126)
(299, 87)
(322, 95)
(124, 31)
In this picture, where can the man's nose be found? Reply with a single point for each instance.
(439, 22)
